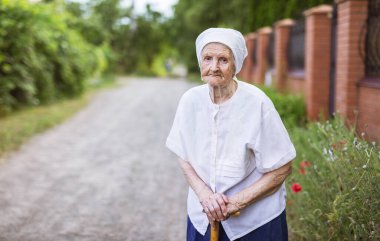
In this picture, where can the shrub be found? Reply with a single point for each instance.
(41, 58)
(338, 173)
(290, 107)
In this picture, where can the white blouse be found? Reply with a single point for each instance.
(230, 146)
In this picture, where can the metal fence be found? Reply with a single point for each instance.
(296, 48)
(372, 41)
(270, 51)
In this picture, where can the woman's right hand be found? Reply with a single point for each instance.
(215, 207)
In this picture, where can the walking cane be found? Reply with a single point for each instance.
(214, 233)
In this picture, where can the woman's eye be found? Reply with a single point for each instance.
(224, 60)
(208, 58)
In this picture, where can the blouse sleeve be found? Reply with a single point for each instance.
(272, 146)
(175, 141)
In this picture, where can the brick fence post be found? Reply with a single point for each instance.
(261, 57)
(317, 68)
(282, 34)
(251, 74)
(248, 65)
(352, 16)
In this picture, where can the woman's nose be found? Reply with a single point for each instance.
(214, 65)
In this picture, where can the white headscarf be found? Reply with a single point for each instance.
(229, 37)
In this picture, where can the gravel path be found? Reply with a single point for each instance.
(105, 174)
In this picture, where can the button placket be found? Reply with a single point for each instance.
(214, 135)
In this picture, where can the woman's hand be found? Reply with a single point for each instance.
(233, 206)
(215, 207)
(268, 184)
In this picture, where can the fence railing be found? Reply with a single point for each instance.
(372, 43)
(296, 48)
(271, 51)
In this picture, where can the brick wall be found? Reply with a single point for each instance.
(295, 83)
(369, 111)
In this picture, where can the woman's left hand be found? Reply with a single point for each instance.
(232, 207)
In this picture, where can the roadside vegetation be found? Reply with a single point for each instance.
(333, 192)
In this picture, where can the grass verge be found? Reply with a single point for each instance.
(19, 126)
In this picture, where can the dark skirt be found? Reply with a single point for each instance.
(275, 230)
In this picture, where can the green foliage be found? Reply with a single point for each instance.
(41, 58)
(90, 27)
(339, 175)
(140, 43)
(290, 107)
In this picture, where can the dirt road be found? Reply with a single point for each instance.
(105, 174)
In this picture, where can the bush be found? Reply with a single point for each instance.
(41, 58)
(290, 107)
(339, 176)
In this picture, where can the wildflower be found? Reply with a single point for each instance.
(305, 163)
(296, 187)
(331, 155)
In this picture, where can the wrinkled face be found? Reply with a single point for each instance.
(217, 64)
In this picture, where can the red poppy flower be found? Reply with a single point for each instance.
(305, 163)
(296, 187)
(302, 171)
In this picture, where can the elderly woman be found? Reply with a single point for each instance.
(233, 147)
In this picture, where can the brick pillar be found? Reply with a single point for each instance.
(261, 57)
(282, 33)
(251, 74)
(246, 70)
(243, 72)
(317, 69)
(352, 15)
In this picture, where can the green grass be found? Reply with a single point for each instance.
(19, 126)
